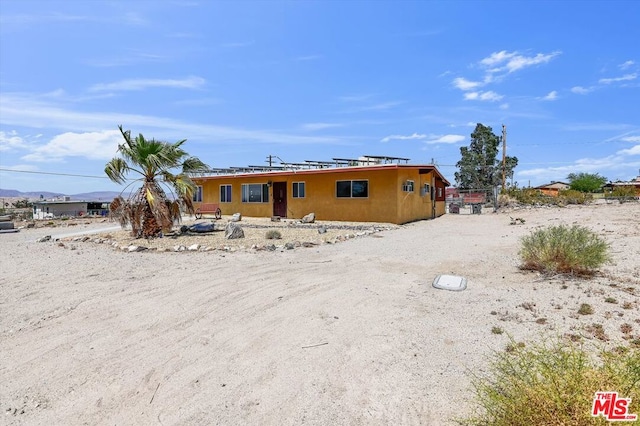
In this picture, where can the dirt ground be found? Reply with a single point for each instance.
(345, 331)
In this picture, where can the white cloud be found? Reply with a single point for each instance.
(496, 66)
(448, 139)
(582, 90)
(403, 138)
(320, 126)
(141, 84)
(634, 139)
(626, 65)
(483, 96)
(504, 106)
(464, 84)
(20, 109)
(626, 77)
(513, 61)
(631, 151)
(92, 145)
(551, 96)
(429, 139)
(10, 141)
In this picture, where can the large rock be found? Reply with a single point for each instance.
(310, 218)
(237, 217)
(233, 231)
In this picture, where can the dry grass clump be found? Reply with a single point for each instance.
(273, 234)
(564, 250)
(552, 385)
(585, 309)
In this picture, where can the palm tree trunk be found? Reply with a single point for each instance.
(150, 227)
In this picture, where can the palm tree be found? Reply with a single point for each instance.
(149, 210)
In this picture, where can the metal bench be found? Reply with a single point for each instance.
(209, 208)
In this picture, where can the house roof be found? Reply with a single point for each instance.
(246, 172)
(554, 185)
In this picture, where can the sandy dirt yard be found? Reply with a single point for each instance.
(343, 333)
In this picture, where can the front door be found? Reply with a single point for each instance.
(280, 199)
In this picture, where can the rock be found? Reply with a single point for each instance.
(85, 239)
(236, 217)
(233, 231)
(271, 247)
(310, 218)
(194, 247)
(179, 248)
(322, 230)
(275, 218)
(289, 246)
(134, 248)
(43, 239)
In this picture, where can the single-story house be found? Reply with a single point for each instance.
(624, 184)
(392, 193)
(68, 208)
(553, 188)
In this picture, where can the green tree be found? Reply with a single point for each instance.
(149, 210)
(586, 182)
(479, 167)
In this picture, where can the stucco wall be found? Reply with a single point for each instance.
(386, 202)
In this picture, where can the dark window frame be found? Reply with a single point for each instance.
(347, 189)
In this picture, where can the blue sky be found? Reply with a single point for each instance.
(309, 80)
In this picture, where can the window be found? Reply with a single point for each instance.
(408, 186)
(352, 188)
(298, 190)
(255, 193)
(197, 194)
(439, 192)
(225, 193)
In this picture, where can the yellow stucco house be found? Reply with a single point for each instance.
(391, 193)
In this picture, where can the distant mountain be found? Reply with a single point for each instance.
(86, 196)
(30, 195)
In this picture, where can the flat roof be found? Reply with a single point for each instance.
(272, 173)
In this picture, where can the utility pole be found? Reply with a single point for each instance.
(504, 156)
(269, 160)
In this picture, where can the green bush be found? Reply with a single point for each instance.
(560, 249)
(552, 385)
(273, 234)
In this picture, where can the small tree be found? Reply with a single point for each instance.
(479, 167)
(586, 182)
(149, 210)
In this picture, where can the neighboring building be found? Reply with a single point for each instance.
(393, 193)
(553, 188)
(68, 208)
(624, 184)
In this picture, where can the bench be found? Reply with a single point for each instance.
(209, 208)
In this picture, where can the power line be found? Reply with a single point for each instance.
(52, 173)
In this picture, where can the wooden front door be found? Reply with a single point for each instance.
(280, 199)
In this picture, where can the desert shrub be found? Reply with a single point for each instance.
(562, 249)
(570, 196)
(552, 385)
(529, 196)
(585, 309)
(624, 193)
(273, 234)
